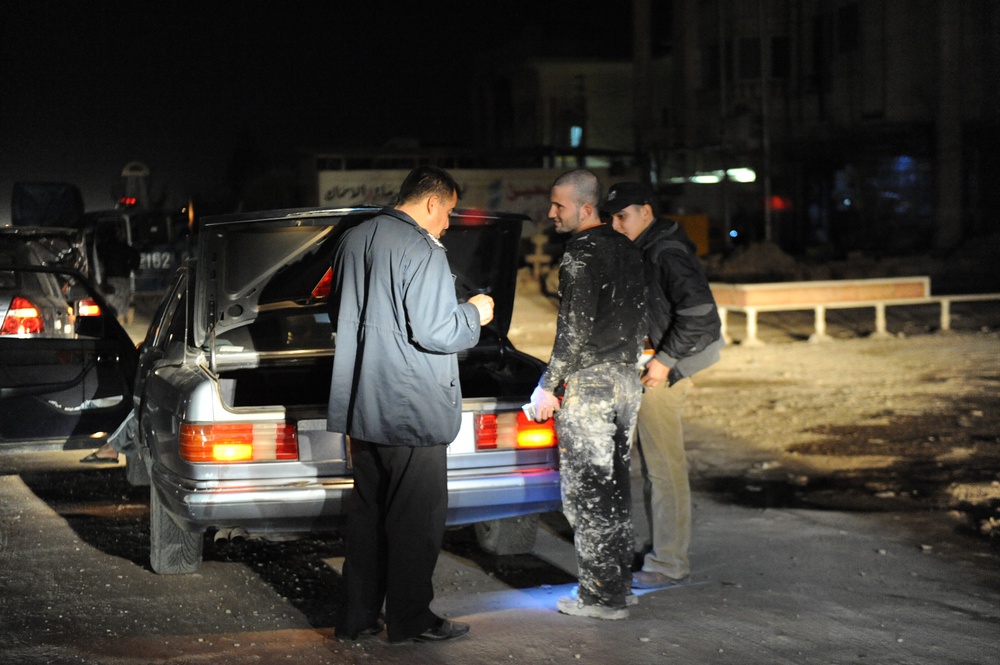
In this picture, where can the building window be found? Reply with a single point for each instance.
(781, 57)
(575, 136)
(710, 66)
(748, 65)
(848, 28)
(821, 55)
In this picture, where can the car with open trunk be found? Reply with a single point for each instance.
(234, 376)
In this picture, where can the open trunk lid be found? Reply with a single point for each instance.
(262, 261)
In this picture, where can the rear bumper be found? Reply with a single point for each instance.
(315, 504)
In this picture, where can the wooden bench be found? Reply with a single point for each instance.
(836, 294)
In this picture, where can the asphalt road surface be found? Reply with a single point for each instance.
(769, 586)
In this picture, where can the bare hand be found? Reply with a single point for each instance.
(484, 304)
(545, 403)
(656, 372)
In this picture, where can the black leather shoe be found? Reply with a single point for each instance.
(373, 629)
(441, 631)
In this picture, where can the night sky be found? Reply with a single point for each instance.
(89, 86)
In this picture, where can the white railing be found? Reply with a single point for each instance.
(752, 299)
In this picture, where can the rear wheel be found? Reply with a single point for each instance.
(513, 535)
(172, 550)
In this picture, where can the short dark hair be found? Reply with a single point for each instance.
(426, 181)
(585, 183)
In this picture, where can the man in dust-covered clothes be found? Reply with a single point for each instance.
(599, 336)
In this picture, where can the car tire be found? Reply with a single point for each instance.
(172, 551)
(513, 535)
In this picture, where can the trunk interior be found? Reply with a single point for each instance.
(484, 373)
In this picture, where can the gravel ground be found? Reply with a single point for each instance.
(908, 422)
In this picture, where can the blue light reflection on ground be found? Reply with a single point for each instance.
(537, 598)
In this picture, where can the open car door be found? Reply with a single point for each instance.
(67, 367)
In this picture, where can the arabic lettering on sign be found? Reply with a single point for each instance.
(357, 194)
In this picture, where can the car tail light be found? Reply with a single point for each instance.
(509, 431)
(23, 318)
(239, 442)
(322, 288)
(88, 307)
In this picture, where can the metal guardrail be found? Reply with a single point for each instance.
(879, 304)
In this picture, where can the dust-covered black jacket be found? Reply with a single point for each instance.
(601, 309)
(683, 321)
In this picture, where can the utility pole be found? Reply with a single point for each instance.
(948, 128)
(642, 85)
(765, 120)
(724, 139)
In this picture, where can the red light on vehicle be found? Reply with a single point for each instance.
(780, 203)
(88, 307)
(23, 318)
(322, 288)
(486, 431)
(510, 431)
(127, 201)
(238, 442)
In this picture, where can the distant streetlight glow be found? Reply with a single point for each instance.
(706, 178)
(742, 174)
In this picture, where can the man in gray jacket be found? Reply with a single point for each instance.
(685, 336)
(395, 392)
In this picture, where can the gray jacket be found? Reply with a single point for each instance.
(399, 326)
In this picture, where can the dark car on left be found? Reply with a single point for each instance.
(67, 367)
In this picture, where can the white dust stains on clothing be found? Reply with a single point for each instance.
(571, 267)
(602, 305)
(595, 426)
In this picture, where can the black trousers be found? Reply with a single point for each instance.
(395, 525)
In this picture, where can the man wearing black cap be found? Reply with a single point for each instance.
(685, 336)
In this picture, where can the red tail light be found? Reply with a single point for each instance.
(23, 318)
(322, 288)
(509, 431)
(239, 442)
(88, 307)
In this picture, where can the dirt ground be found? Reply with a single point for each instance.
(906, 423)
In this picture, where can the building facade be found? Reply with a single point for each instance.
(869, 124)
(863, 124)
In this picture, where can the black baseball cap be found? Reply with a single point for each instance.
(625, 194)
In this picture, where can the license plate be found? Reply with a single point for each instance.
(156, 261)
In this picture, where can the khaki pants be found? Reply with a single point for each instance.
(666, 490)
